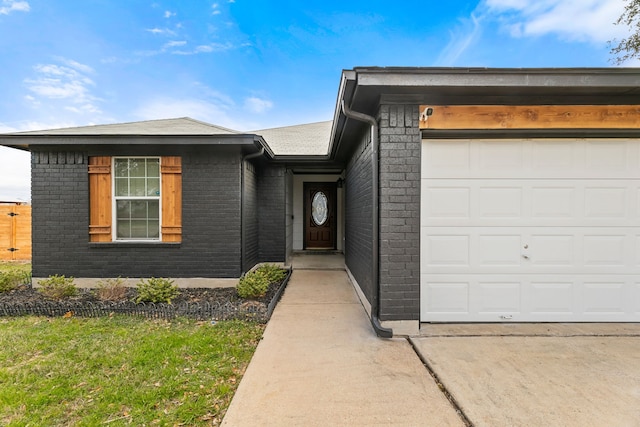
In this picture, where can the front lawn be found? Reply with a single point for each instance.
(120, 370)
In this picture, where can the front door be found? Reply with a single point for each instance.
(319, 215)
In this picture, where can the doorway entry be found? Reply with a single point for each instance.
(320, 215)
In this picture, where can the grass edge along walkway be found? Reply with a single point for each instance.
(120, 370)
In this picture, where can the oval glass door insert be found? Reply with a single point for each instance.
(319, 208)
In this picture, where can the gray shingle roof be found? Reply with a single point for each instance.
(302, 140)
(181, 126)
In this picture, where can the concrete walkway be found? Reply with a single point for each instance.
(320, 364)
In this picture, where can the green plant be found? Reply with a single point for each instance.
(58, 287)
(13, 275)
(157, 290)
(111, 290)
(272, 272)
(253, 285)
(118, 371)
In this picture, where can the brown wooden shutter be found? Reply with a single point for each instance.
(171, 170)
(100, 199)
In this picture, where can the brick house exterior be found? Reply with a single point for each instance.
(243, 193)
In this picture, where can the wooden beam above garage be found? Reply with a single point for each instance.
(493, 117)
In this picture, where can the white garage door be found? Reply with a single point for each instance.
(530, 230)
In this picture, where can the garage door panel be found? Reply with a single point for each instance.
(552, 250)
(537, 159)
(606, 202)
(499, 202)
(528, 298)
(566, 203)
(501, 298)
(499, 250)
(604, 297)
(446, 298)
(446, 250)
(531, 250)
(555, 297)
(446, 202)
(605, 250)
(531, 230)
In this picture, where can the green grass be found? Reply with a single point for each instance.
(12, 266)
(120, 370)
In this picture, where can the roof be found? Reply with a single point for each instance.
(301, 140)
(364, 89)
(182, 126)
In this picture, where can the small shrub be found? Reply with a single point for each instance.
(111, 290)
(253, 285)
(10, 280)
(58, 287)
(157, 290)
(272, 272)
(14, 276)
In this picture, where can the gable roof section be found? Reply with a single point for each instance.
(172, 127)
(300, 140)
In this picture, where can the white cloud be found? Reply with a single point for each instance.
(461, 39)
(68, 82)
(169, 14)
(205, 48)
(257, 105)
(159, 31)
(572, 20)
(175, 43)
(8, 6)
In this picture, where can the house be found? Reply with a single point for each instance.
(456, 195)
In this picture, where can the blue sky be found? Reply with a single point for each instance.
(252, 64)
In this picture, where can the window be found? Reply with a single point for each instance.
(137, 198)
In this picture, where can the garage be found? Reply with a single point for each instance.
(530, 230)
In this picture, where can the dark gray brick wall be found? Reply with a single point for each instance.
(250, 213)
(271, 213)
(210, 244)
(289, 214)
(358, 214)
(400, 145)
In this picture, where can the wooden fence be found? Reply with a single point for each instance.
(15, 232)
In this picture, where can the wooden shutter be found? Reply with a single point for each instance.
(171, 170)
(100, 199)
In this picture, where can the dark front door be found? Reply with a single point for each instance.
(320, 215)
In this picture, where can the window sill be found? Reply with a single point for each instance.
(138, 244)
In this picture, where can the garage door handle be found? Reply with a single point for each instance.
(525, 256)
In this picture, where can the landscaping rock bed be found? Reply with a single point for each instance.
(198, 303)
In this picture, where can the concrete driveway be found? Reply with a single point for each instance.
(539, 375)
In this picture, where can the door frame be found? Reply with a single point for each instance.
(333, 198)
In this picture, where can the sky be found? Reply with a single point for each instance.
(256, 64)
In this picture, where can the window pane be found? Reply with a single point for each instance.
(153, 168)
(124, 229)
(153, 187)
(137, 187)
(154, 229)
(139, 228)
(123, 209)
(122, 168)
(122, 186)
(139, 209)
(154, 209)
(137, 167)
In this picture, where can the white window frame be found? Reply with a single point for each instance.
(114, 200)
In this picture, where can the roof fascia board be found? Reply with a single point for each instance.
(347, 84)
(575, 78)
(37, 140)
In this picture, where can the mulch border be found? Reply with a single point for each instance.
(248, 310)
